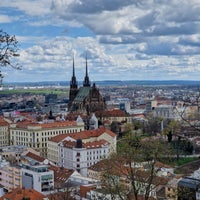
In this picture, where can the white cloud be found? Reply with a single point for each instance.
(131, 39)
(5, 19)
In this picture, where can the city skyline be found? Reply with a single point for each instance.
(123, 40)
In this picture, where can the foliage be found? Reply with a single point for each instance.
(133, 170)
(153, 126)
(186, 160)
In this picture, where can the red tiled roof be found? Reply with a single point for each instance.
(35, 157)
(59, 138)
(95, 144)
(87, 145)
(111, 113)
(69, 144)
(92, 133)
(19, 194)
(83, 134)
(61, 174)
(3, 122)
(60, 196)
(55, 124)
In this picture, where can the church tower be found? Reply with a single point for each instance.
(86, 82)
(73, 88)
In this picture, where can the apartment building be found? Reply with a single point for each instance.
(4, 132)
(37, 177)
(36, 135)
(10, 176)
(80, 150)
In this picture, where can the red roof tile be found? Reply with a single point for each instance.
(83, 134)
(55, 124)
(19, 194)
(61, 174)
(92, 133)
(35, 157)
(87, 145)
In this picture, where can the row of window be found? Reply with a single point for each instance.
(25, 133)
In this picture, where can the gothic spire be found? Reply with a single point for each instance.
(73, 82)
(86, 82)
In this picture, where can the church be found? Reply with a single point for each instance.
(85, 99)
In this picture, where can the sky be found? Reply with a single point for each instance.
(123, 39)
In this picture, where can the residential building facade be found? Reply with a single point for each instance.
(37, 177)
(80, 150)
(36, 135)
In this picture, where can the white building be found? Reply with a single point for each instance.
(80, 150)
(37, 177)
(79, 156)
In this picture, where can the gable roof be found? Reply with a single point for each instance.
(33, 157)
(83, 134)
(59, 138)
(91, 133)
(19, 194)
(61, 174)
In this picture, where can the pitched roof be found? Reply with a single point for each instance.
(3, 122)
(35, 157)
(111, 113)
(83, 134)
(19, 194)
(61, 196)
(59, 138)
(82, 94)
(92, 133)
(55, 124)
(87, 145)
(61, 174)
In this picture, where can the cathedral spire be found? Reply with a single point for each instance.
(73, 82)
(86, 82)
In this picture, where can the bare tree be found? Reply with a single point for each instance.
(8, 50)
(132, 172)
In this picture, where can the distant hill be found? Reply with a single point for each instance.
(108, 82)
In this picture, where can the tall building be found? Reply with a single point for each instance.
(86, 99)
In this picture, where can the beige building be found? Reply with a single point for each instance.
(36, 135)
(4, 132)
(10, 176)
(52, 147)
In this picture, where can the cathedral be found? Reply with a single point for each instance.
(85, 99)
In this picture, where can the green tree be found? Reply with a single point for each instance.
(126, 177)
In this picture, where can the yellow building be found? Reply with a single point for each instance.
(4, 132)
(36, 135)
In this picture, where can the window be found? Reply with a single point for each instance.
(78, 154)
